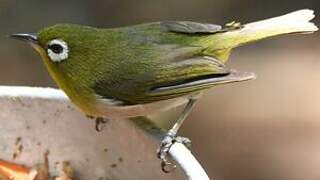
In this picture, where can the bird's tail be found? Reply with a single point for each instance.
(294, 22)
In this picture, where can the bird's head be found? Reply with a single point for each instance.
(64, 44)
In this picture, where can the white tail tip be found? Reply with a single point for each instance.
(294, 22)
(301, 18)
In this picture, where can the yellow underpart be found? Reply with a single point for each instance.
(85, 99)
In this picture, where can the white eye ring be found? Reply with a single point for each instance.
(58, 50)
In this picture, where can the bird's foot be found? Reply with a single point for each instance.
(164, 148)
(100, 123)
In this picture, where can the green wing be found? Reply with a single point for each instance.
(163, 63)
(169, 80)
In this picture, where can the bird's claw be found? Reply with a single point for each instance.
(164, 148)
(167, 166)
(183, 140)
(100, 124)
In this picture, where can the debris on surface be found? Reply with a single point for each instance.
(42, 170)
(12, 171)
(67, 172)
(18, 148)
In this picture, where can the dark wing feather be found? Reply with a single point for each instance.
(190, 27)
(202, 83)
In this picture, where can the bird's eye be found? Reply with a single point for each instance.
(57, 50)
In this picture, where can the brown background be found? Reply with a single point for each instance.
(261, 130)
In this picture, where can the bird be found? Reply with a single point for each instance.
(153, 67)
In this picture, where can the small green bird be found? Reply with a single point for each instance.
(147, 68)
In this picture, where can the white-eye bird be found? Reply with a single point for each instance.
(148, 68)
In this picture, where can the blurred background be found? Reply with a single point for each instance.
(264, 129)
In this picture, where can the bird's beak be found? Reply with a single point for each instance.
(29, 38)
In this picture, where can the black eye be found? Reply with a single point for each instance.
(56, 48)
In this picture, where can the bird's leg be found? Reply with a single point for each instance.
(171, 137)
